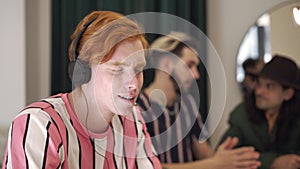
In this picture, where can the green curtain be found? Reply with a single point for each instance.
(67, 13)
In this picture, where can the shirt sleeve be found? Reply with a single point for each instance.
(237, 124)
(234, 129)
(33, 142)
(198, 128)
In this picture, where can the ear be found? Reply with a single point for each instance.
(288, 93)
(166, 65)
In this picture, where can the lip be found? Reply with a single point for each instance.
(128, 98)
(260, 101)
(259, 97)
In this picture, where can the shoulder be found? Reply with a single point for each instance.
(239, 109)
(41, 110)
(239, 113)
(56, 101)
(33, 119)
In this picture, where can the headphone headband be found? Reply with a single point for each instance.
(79, 71)
(78, 37)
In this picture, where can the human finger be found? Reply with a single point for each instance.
(248, 156)
(249, 164)
(242, 150)
(225, 143)
(233, 142)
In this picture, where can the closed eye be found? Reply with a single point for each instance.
(139, 69)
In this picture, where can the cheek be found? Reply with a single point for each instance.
(103, 84)
(140, 80)
(184, 71)
(280, 98)
(184, 74)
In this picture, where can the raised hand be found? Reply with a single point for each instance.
(289, 161)
(240, 158)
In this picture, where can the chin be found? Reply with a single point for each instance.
(124, 111)
(262, 107)
(185, 90)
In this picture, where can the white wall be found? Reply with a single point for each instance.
(285, 33)
(38, 49)
(12, 65)
(25, 52)
(228, 21)
(25, 57)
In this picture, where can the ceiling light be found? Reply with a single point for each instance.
(296, 12)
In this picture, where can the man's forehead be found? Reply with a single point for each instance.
(191, 58)
(267, 80)
(127, 61)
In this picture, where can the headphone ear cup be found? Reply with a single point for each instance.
(71, 69)
(79, 72)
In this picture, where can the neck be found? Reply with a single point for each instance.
(88, 115)
(271, 114)
(271, 117)
(164, 84)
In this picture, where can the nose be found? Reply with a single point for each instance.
(258, 89)
(132, 87)
(133, 84)
(196, 74)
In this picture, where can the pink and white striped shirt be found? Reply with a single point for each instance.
(51, 136)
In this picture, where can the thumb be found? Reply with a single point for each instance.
(225, 144)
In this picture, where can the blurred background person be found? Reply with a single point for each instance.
(271, 123)
(171, 113)
(251, 68)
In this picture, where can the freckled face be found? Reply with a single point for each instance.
(117, 82)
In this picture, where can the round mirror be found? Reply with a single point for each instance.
(275, 32)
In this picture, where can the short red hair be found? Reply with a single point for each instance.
(99, 41)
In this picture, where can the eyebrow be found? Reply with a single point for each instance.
(117, 63)
(193, 62)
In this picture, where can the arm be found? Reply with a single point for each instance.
(274, 160)
(201, 150)
(266, 157)
(203, 164)
(33, 142)
(239, 125)
(288, 161)
(233, 131)
(224, 158)
(236, 121)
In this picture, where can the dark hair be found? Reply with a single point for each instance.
(250, 62)
(286, 120)
(178, 49)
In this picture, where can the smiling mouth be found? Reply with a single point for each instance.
(129, 98)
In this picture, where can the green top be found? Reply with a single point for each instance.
(257, 135)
